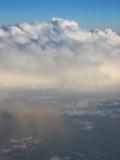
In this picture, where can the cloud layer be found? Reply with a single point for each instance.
(58, 54)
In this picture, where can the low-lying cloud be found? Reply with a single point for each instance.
(58, 54)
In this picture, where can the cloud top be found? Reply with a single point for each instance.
(58, 54)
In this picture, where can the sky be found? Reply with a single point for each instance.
(89, 13)
(57, 53)
(60, 52)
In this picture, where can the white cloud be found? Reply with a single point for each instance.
(58, 54)
(55, 158)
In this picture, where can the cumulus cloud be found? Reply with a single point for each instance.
(58, 54)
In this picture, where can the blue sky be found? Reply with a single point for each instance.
(90, 13)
